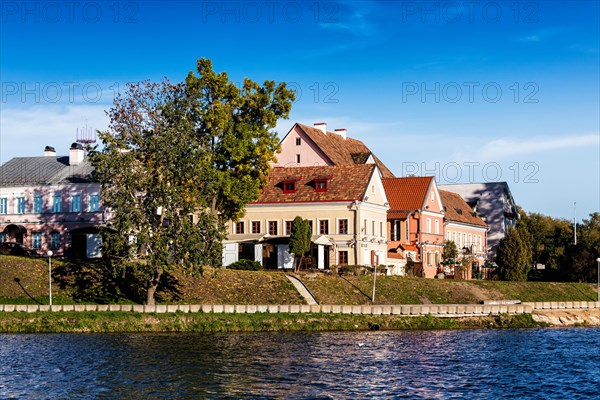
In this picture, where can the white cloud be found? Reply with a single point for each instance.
(504, 148)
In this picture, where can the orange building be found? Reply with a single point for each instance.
(415, 223)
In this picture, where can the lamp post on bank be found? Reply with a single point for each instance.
(50, 274)
(598, 281)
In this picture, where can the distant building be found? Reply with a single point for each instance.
(345, 205)
(51, 203)
(494, 203)
(306, 146)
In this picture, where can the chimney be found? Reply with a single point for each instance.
(342, 132)
(49, 151)
(76, 154)
(322, 126)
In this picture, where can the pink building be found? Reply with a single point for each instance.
(306, 146)
(468, 231)
(51, 203)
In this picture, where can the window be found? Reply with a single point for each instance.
(428, 225)
(432, 195)
(56, 203)
(255, 226)
(449, 235)
(395, 230)
(437, 227)
(38, 204)
(273, 228)
(365, 226)
(288, 227)
(342, 257)
(454, 237)
(373, 228)
(381, 229)
(324, 227)
(36, 241)
(343, 227)
(310, 223)
(76, 203)
(20, 205)
(239, 227)
(321, 185)
(429, 258)
(2, 237)
(94, 202)
(298, 141)
(55, 240)
(298, 158)
(3, 206)
(470, 240)
(289, 187)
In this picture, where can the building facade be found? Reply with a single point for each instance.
(345, 205)
(468, 231)
(305, 146)
(415, 222)
(494, 203)
(51, 203)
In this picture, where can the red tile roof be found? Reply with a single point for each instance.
(346, 183)
(343, 151)
(458, 210)
(406, 194)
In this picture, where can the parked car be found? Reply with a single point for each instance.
(17, 249)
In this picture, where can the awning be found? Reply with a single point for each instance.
(250, 237)
(12, 228)
(320, 239)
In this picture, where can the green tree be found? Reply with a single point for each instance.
(580, 260)
(450, 251)
(514, 254)
(177, 162)
(300, 240)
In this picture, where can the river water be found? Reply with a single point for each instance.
(486, 364)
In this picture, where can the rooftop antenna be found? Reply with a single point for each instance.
(86, 135)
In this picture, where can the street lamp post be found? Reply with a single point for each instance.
(374, 282)
(598, 281)
(50, 274)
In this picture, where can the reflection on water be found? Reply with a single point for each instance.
(540, 363)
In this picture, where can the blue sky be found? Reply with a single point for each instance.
(467, 91)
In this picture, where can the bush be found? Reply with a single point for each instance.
(246, 265)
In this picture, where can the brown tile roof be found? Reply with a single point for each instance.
(458, 210)
(343, 151)
(406, 194)
(346, 183)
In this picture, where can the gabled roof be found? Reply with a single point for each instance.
(406, 194)
(342, 151)
(457, 210)
(346, 183)
(49, 170)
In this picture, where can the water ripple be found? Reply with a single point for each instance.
(466, 364)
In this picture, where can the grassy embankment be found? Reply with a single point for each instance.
(96, 322)
(272, 287)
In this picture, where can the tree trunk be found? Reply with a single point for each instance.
(152, 286)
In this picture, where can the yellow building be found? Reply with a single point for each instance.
(346, 206)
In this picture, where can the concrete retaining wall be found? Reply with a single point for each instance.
(440, 310)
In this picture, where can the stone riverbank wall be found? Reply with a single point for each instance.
(438, 310)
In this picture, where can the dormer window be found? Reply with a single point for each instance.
(289, 186)
(320, 185)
